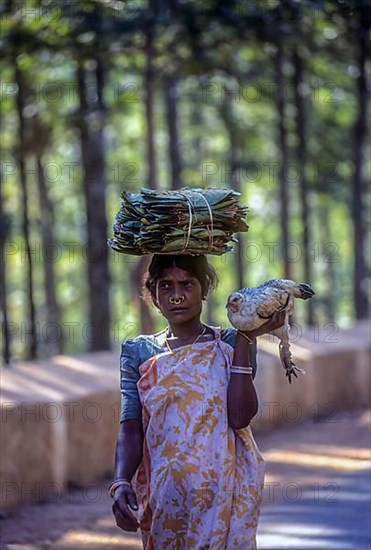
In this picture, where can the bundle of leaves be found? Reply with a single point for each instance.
(183, 221)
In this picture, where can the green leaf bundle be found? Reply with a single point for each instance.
(183, 221)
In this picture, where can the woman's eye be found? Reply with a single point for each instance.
(165, 286)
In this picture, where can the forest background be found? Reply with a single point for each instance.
(270, 98)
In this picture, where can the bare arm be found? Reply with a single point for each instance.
(242, 400)
(129, 451)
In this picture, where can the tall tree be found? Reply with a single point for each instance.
(229, 119)
(150, 90)
(92, 117)
(4, 234)
(283, 196)
(171, 88)
(146, 321)
(21, 155)
(361, 305)
(54, 337)
(301, 155)
(329, 298)
(145, 315)
(197, 122)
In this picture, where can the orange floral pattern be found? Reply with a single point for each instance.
(199, 485)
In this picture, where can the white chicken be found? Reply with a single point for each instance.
(249, 308)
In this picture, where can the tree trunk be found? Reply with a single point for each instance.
(197, 121)
(361, 305)
(282, 173)
(31, 313)
(301, 155)
(236, 185)
(94, 182)
(235, 182)
(171, 100)
(197, 158)
(330, 301)
(170, 84)
(4, 232)
(48, 244)
(150, 85)
(147, 325)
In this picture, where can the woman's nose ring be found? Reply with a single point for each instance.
(176, 300)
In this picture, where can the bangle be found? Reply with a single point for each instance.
(245, 336)
(237, 369)
(117, 483)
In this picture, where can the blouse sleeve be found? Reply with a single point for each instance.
(229, 335)
(131, 408)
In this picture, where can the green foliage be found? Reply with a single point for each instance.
(224, 57)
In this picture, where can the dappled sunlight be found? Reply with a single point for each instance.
(173, 170)
(306, 480)
(58, 378)
(92, 540)
(317, 460)
(290, 536)
(29, 386)
(76, 364)
(301, 529)
(106, 521)
(356, 453)
(365, 419)
(32, 387)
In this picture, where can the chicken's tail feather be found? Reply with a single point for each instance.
(304, 291)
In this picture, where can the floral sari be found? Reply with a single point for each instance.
(199, 485)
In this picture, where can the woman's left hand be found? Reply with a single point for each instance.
(276, 321)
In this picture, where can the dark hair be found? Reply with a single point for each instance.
(197, 265)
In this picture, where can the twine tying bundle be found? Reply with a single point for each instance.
(210, 230)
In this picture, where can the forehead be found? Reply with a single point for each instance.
(175, 274)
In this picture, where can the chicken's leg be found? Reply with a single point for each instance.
(282, 334)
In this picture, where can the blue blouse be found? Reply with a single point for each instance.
(135, 351)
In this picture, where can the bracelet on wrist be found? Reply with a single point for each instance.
(237, 369)
(116, 484)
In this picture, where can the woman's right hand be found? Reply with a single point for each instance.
(124, 499)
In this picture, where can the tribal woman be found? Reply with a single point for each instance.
(186, 459)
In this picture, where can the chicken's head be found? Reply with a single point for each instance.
(234, 302)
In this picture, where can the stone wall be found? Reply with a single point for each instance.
(337, 376)
(60, 417)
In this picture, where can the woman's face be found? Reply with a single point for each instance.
(173, 284)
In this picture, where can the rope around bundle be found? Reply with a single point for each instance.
(189, 229)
